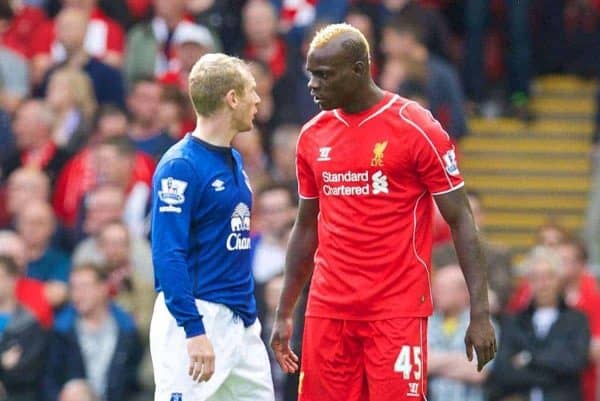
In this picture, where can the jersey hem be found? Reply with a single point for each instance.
(454, 188)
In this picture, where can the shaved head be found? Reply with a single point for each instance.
(350, 39)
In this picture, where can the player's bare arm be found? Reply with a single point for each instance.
(298, 268)
(480, 333)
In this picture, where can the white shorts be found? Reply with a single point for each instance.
(242, 369)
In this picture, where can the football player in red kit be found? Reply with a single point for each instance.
(370, 166)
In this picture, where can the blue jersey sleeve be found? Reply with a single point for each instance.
(174, 196)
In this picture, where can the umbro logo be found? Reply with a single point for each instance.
(324, 154)
(218, 185)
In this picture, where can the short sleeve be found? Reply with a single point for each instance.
(307, 187)
(434, 153)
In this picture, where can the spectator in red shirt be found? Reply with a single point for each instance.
(79, 176)
(582, 293)
(29, 292)
(32, 127)
(18, 21)
(103, 38)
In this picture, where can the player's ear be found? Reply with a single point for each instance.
(360, 67)
(231, 99)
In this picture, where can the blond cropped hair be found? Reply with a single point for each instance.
(212, 76)
(330, 32)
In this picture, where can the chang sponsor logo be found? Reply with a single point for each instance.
(240, 226)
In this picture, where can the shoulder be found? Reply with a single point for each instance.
(124, 320)
(317, 122)
(65, 319)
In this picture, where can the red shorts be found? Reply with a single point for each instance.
(346, 360)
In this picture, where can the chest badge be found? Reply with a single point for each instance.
(378, 150)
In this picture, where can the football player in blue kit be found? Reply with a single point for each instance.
(204, 336)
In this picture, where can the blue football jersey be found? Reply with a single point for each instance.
(201, 232)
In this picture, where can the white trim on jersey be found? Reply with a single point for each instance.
(307, 197)
(416, 126)
(337, 115)
(414, 243)
(459, 186)
(381, 110)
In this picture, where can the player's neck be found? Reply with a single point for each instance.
(368, 98)
(215, 130)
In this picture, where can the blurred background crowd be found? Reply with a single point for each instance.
(92, 92)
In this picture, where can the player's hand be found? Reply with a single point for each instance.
(280, 344)
(202, 358)
(481, 337)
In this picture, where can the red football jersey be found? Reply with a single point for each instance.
(374, 174)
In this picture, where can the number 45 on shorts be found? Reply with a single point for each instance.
(409, 361)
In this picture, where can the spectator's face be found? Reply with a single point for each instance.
(259, 22)
(264, 80)
(572, 267)
(111, 166)
(395, 5)
(59, 95)
(284, 154)
(276, 212)
(114, 245)
(112, 125)
(88, 293)
(144, 102)
(397, 45)
(7, 285)
(25, 186)
(71, 27)
(363, 23)
(550, 237)
(188, 53)
(28, 126)
(168, 8)
(103, 206)
(35, 224)
(81, 4)
(545, 283)
(449, 289)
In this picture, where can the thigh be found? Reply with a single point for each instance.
(395, 353)
(250, 379)
(170, 360)
(332, 362)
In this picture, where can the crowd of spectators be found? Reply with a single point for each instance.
(92, 92)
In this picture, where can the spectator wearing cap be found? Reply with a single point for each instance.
(191, 41)
(151, 44)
